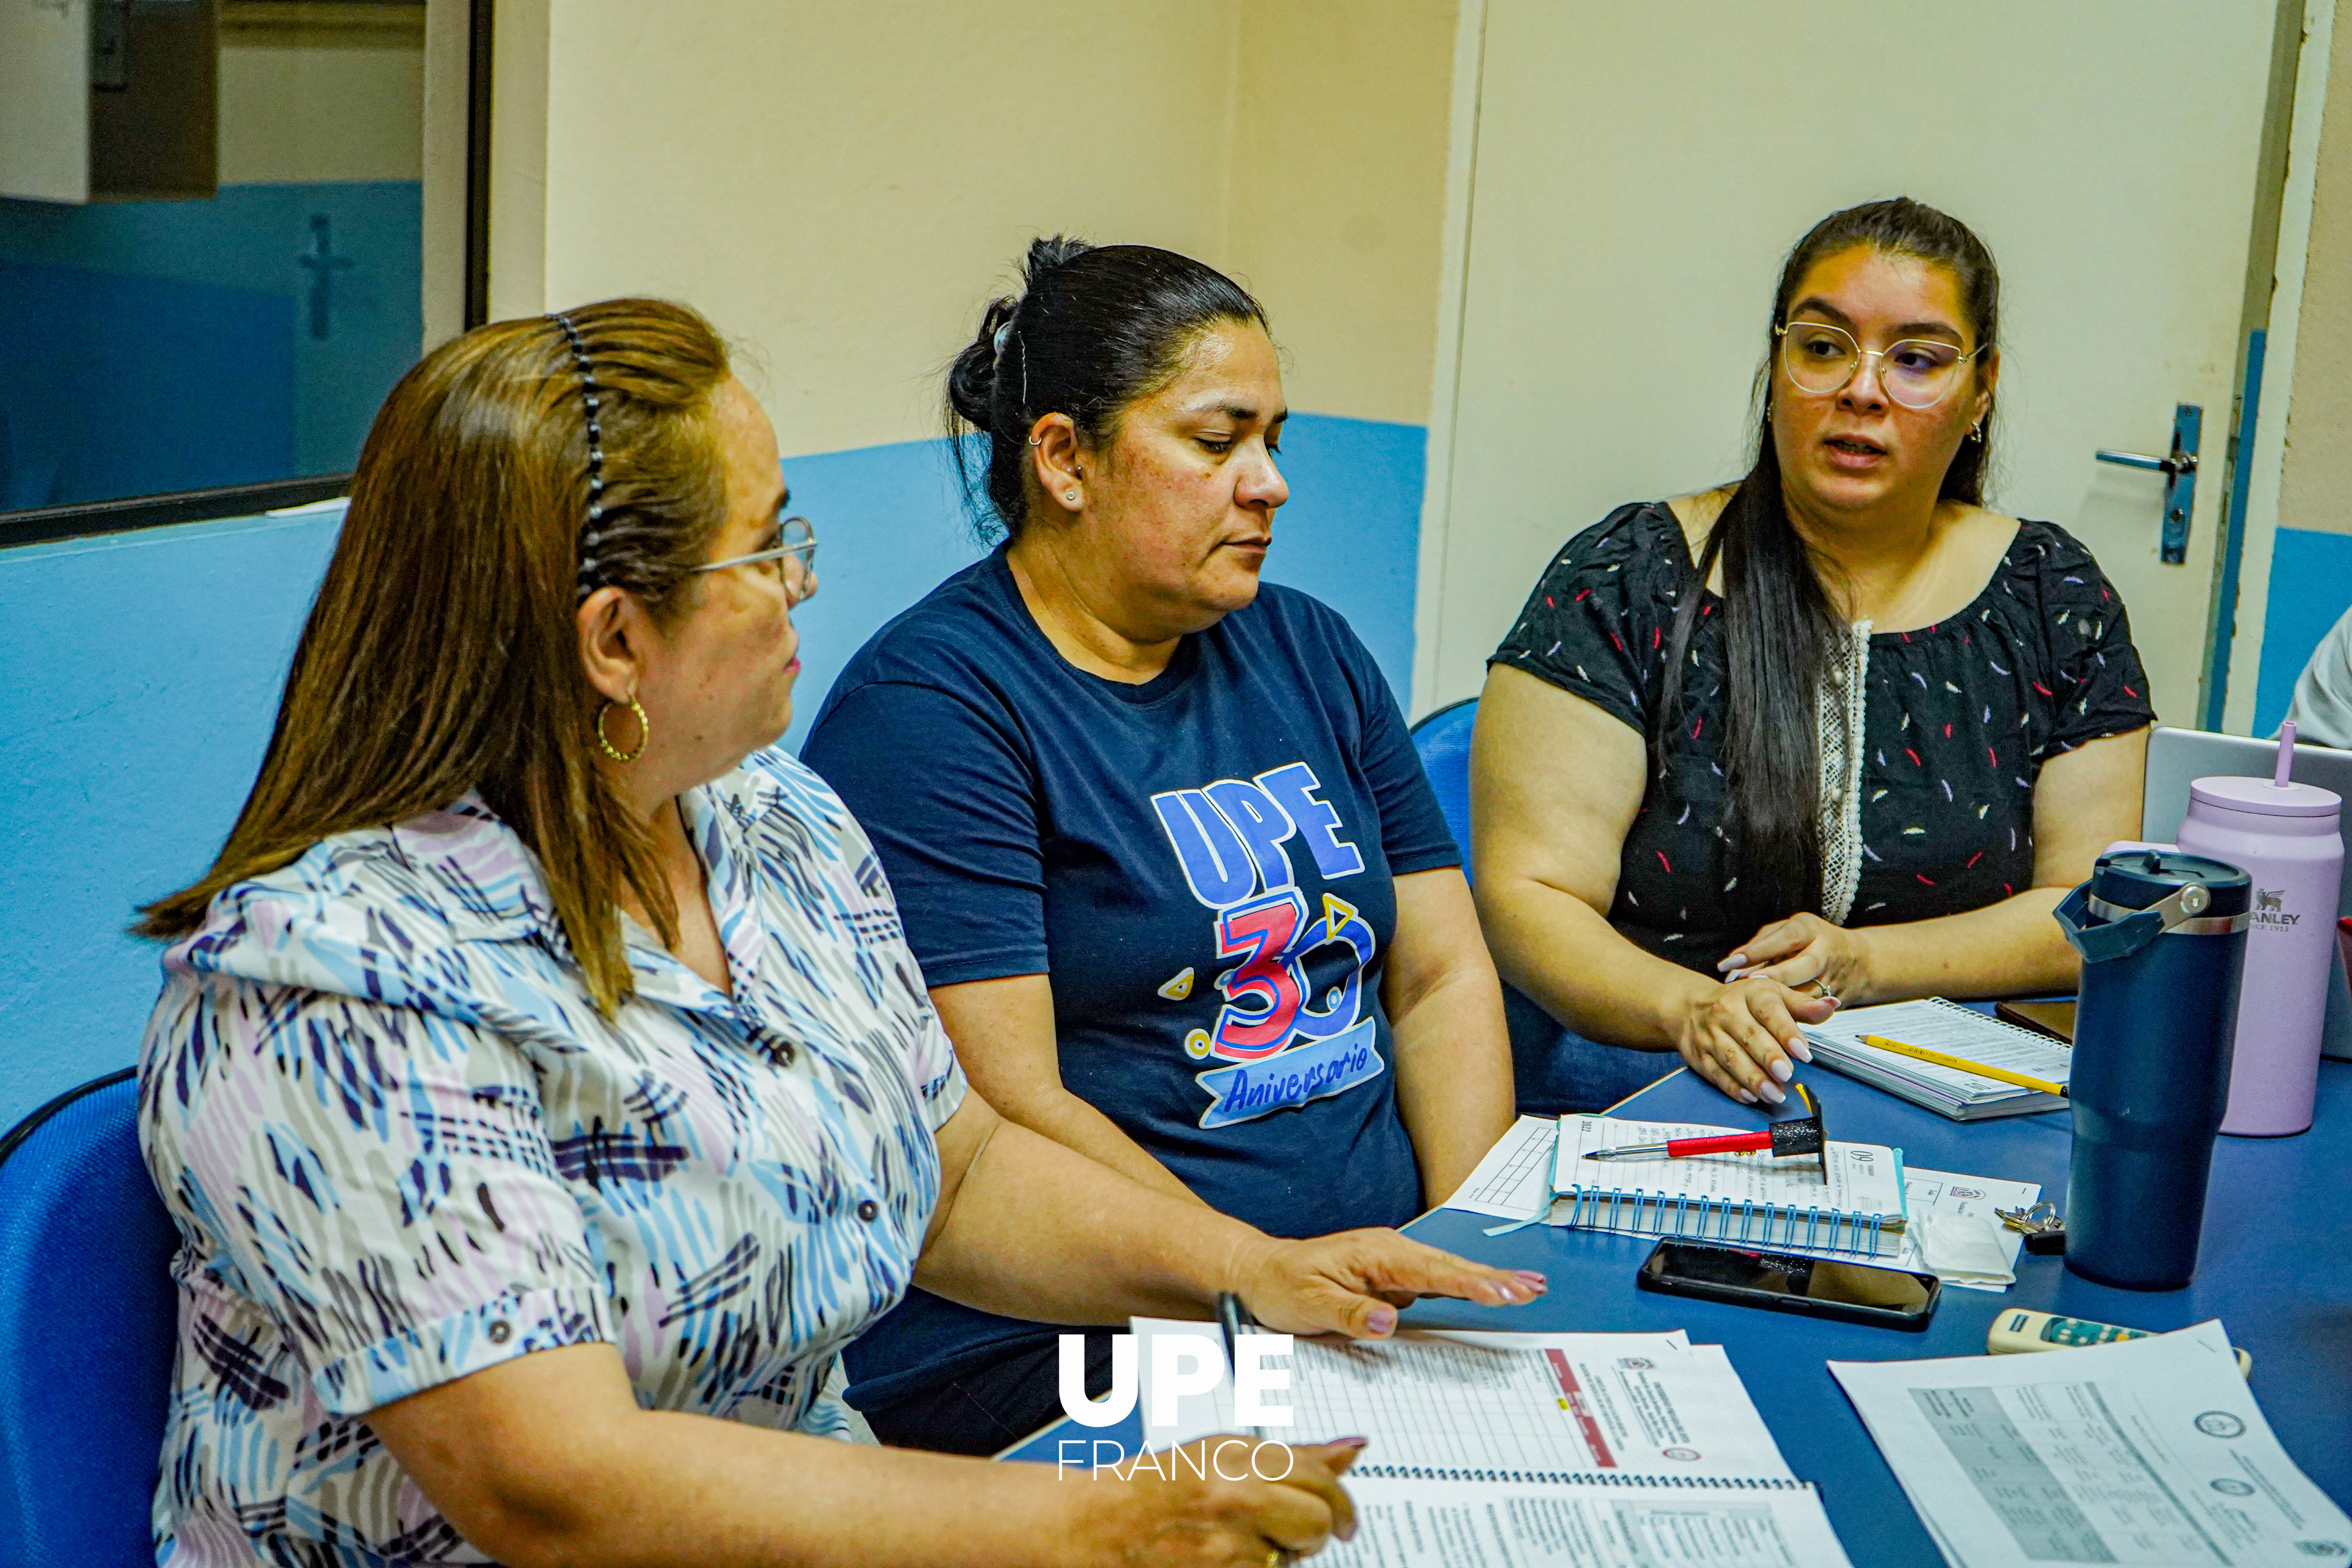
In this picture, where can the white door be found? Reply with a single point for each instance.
(1641, 168)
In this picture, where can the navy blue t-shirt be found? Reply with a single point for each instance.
(1202, 865)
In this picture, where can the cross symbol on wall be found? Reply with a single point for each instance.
(323, 264)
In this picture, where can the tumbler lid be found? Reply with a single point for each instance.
(2265, 798)
(2136, 879)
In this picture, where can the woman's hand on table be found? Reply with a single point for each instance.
(1740, 1036)
(1806, 953)
(1232, 1519)
(1353, 1281)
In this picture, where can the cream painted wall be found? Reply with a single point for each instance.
(2316, 478)
(320, 92)
(1340, 157)
(842, 189)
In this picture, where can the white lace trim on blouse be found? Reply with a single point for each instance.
(1838, 706)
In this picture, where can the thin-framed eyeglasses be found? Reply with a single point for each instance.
(1918, 372)
(795, 552)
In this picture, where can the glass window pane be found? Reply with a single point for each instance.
(239, 282)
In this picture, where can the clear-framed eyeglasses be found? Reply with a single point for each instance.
(794, 554)
(1918, 372)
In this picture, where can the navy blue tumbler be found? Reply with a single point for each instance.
(2163, 940)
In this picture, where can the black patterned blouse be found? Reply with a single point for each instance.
(1959, 717)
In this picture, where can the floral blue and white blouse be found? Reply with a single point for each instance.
(402, 1145)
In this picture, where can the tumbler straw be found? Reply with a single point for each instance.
(2285, 755)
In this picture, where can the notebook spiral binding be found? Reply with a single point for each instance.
(1826, 1230)
(1582, 1478)
(1976, 1017)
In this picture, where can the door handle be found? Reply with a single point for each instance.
(2179, 468)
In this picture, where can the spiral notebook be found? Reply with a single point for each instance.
(1745, 1200)
(1456, 1520)
(1956, 1030)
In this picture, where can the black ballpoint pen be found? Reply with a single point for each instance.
(1230, 1318)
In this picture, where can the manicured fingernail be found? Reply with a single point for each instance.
(1531, 1280)
(1347, 1531)
(1801, 1051)
(1746, 1098)
(1347, 1442)
(1734, 961)
(1772, 1091)
(1781, 1070)
(1835, 1003)
(1381, 1321)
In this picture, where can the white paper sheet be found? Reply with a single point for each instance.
(1514, 1181)
(1931, 1193)
(1627, 1404)
(2147, 1452)
(1488, 1524)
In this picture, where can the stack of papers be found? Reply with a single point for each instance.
(1513, 1182)
(1936, 1024)
(1533, 1451)
(2147, 1451)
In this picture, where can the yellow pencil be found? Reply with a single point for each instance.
(1940, 1059)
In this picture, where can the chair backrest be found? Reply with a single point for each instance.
(1442, 739)
(88, 1318)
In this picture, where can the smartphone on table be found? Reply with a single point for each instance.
(1785, 1282)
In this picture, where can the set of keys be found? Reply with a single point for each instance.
(2045, 1233)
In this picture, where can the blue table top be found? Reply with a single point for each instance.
(2275, 1266)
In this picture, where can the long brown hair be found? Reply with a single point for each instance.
(1779, 624)
(442, 654)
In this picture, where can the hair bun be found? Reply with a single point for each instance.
(1047, 255)
(972, 377)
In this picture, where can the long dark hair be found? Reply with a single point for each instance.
(441, 654)
(1094, 327)
(1779, 624)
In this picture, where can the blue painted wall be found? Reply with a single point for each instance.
(2310, 587)
(142, 675)
(890, 524)
(156, 346)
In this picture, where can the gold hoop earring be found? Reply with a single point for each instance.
(645, 732)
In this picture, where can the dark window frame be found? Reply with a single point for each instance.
(91, 519)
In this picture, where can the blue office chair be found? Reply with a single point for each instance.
(87, 1318)
(1442, 739)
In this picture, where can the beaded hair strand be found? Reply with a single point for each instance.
(592, 537)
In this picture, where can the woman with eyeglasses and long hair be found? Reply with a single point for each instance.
(1834, 733)
(542, 1084)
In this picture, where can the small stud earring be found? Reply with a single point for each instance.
(1070, 496)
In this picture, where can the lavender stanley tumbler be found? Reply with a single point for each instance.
(2163, 940)
(2285, 838)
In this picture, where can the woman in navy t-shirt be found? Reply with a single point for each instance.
(1162, 846)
